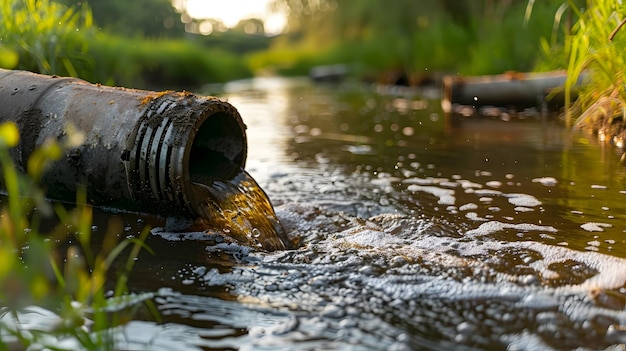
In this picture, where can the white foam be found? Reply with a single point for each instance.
(547, 181)
(595, 226)
(370, 238)
(494, 184)
(474, 216)
(446, 196)
(449, 184)
(487, 192)
(495, 226)
(419, 181)
(231, 247)
(466, 184)
(524, 200)
(468, 206)
(184, 236)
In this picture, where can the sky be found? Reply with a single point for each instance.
(230, 12)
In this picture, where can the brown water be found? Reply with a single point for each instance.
(241, 210)
(415, 232)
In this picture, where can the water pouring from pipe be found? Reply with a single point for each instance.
(170, 154)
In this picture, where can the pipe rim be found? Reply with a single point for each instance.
(184, 139)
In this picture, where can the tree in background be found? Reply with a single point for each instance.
(466, 36)
(146, 18)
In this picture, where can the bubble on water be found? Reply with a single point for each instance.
(358, 276)
(487, 192)
(367, 237)
(185, 236)
(466, 184)
(419, 181)
(333, 311)
(474, 216)
(600, 187)
(359, 149)
(595, 226)
(524, 200)
(199, 270)
(468, 206)
(446, 196)
(547, 181)
(494, 184)
(546, 236)
(495, 226)
(446, 184)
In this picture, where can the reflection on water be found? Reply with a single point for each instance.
(415, 233)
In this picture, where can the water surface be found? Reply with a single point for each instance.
(414, 232)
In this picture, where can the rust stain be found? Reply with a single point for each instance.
(146, 100)
(149, 98)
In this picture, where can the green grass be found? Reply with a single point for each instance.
(44, 36)
(47, 37)
(602, 99)
(40, 269)
(160, 63)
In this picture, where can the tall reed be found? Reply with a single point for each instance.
(39, 272)
(596, 47)
(45, 36)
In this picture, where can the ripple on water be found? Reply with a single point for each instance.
(404, 282)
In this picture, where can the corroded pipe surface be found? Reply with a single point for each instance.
(142, 149)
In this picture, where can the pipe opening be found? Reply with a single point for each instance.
(218, 150)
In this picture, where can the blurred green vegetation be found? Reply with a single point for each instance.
(160, 63)
(43, 36)
(49, 37)
(142, 18)
(56, 276)
(414, 37)
(596, 47)
(151, 44)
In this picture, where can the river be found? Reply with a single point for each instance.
(414, 231)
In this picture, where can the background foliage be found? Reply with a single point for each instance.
(144, 43)
(419, 37)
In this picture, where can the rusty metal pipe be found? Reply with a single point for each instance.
(142, 149)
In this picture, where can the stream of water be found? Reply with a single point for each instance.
(413, 232)
(241, 210)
